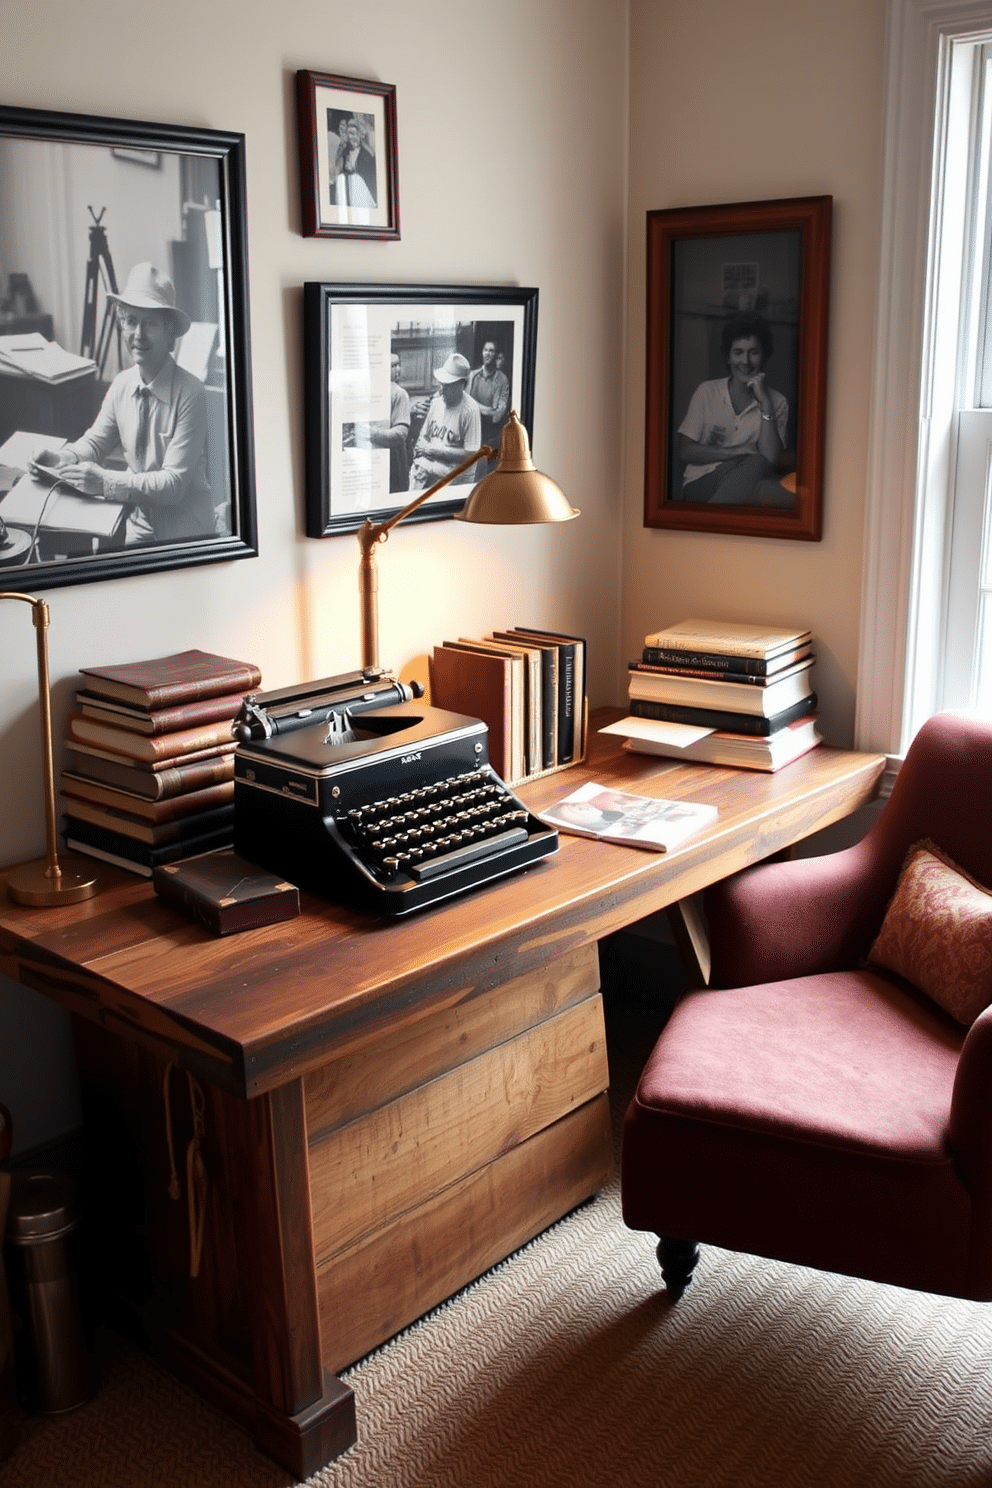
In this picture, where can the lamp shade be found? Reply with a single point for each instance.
(516, 492)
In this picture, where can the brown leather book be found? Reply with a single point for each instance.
(83, 730)
(161, 720)
(478, 684)
(158, 780)
(77, 787)
(170, 680)
(226, 893)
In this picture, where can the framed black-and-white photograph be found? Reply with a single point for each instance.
(402, 384)
(348, 157)
(125, 385)
(737, 310)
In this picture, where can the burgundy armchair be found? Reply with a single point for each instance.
(808, 1107)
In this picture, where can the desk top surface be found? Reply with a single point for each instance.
(252, 1010)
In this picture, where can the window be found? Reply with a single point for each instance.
(927, 614)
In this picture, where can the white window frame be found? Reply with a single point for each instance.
(908, 463)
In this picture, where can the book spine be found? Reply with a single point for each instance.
(141, 852)
(154, 785)
(142, 747)
(703, 661)
(163, 721)
(156, 834)
(703, 674)
(566, 704)
(735, 723)
(186, 803)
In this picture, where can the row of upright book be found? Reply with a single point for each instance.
(723, 693)
(528, 686)
(149, 773)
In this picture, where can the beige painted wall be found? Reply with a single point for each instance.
(783, 99)
(505, 178)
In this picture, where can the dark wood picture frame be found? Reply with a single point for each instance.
(346, 394)
(369, 204)
(188, 217)
(706, 265)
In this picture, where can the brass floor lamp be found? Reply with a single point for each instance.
(54, 881)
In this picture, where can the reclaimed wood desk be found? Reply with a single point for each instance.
(383, 1109)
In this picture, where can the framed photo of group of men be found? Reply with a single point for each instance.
(401, 384)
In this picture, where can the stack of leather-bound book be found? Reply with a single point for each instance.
(149, 775)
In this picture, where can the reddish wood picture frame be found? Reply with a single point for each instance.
(706, 266)
(361, 200)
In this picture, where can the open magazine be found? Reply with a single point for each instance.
(636, 821)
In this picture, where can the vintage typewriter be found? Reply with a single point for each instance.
(355, 788)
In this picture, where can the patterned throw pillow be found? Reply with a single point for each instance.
(937, 933)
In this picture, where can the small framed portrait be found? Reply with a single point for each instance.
(126, 441)
(401, 385)
(348, 157)
(737, 312)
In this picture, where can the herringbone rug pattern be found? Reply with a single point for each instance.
(565, 1367)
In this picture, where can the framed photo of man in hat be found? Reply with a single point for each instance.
(125, 399)
(401, 385)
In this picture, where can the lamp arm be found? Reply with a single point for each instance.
(371, 534)
(40, 617)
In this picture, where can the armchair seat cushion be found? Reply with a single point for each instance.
(805, 1120)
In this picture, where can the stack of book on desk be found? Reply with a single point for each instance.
(528, 686)
(149, 775)
(723, 693)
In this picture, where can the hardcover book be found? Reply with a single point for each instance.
(146, 747)
(227, 893)
(713, 664)
(477, 684)
(740, 751)
(138, 857)
(728, 637)
(571, 689)
(161, 720)
(716, 718)
(763, 696)
(187, 803)
(157, 782)
(155, 834)
(634, 821)
(171, 680)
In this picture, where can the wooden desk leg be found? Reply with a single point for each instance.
(304, 1414)
(691, 935)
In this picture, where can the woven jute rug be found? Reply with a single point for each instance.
(566, 1367)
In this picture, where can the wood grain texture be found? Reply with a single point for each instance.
(254, 1010)
(352, 1084)
(377, 1167)
(382, 1283)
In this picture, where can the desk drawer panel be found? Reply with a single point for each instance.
(356, 1083)
(368, 1172)
(380, 1285)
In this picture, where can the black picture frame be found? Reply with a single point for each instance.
(350, 333)
(187, 216)
(707, 266)
(325, 104)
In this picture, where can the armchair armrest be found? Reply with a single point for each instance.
(781, 920)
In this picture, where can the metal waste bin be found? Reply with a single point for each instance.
(55, 1369)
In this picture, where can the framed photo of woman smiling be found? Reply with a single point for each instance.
(737, 306)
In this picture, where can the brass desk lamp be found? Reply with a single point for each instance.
(515, 492)
(52, 882)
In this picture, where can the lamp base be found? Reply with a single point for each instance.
(35, 885)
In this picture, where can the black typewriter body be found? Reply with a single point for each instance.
(393, 811)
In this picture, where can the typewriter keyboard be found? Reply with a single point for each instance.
(439, 827)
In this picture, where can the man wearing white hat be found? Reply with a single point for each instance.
(156, 412)
(451, 430)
